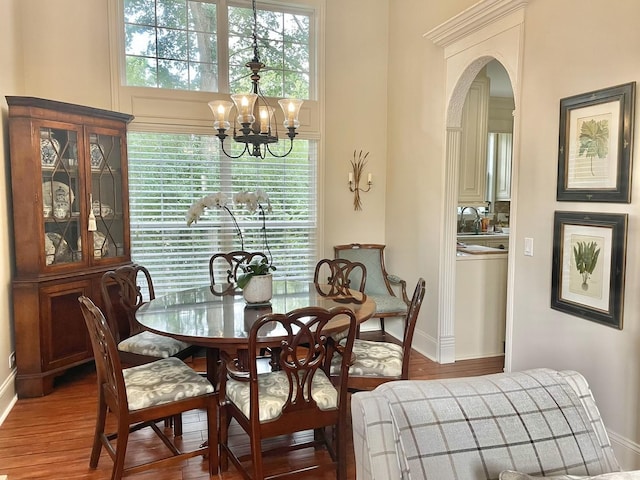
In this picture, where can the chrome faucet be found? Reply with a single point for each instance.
(476, 222)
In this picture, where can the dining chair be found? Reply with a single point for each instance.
(122, 295)
(376, 362)
(225, 266)
(380, 284)
(299, 396)
(332, 277)
(337, 274)
(139, 396)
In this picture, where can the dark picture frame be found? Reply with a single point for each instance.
(588, 272)
(596, 145)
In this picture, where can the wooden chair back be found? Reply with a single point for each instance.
(105, 352)
(410, 325)
(338, 274)
(122, 295)
(305, 349)
(225, 266)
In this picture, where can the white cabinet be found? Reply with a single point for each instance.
(472, 186)
(481, 299)
(499, 150)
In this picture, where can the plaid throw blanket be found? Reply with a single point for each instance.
(539, 421)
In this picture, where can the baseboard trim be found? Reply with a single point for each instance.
(8, 397)
(425, 345)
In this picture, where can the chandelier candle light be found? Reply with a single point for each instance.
(258, 129)
(358, 164)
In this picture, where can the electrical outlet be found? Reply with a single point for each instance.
(12, 360)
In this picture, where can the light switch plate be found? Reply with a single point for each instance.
(528, 247)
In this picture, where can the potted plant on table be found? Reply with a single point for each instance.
(256, 280)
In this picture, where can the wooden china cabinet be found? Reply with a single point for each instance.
(70, 225)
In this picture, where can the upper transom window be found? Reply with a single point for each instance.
(204, 46)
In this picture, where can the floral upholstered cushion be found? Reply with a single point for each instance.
(163, 381)
(152, 344)
(512, 475)
(273, 389)
(372, 359)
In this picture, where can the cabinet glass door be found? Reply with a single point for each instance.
(107, 195)
(60, 192)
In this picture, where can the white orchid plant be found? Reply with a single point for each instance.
(252, 201)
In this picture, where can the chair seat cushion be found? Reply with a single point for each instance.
(152, 344)
(273, 390)
(164, 381)
(388, 304)
(372, 359)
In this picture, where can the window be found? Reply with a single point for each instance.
(175, 56)
(171, 44)
(167, 172)
(175, 44)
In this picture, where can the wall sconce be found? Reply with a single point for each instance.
(358, 164)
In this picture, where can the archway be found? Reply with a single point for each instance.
(470, 40)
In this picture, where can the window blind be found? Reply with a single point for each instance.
(168, 172)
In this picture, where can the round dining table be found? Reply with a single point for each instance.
(222, 322)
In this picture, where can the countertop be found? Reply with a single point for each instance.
(482, 236)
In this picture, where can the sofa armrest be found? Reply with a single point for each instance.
(374, 437)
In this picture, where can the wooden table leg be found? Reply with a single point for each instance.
(213, 357)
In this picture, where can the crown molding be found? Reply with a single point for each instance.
(472, 19)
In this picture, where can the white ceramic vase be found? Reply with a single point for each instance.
(259, 289)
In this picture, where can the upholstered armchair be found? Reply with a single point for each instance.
(379, 283)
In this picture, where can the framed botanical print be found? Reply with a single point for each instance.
(596, 143)
(589, 254)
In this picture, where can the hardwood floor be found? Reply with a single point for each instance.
(50, 437)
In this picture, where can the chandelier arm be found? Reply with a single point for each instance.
(284, 154)
(228, 154)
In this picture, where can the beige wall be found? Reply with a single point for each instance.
(355, 118)
(10, 84)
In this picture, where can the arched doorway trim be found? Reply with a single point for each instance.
(490, 29)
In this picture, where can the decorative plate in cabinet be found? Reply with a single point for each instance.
(101, 247)
(49, 148)
(57, 198)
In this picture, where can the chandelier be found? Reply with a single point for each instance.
(256, 118)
